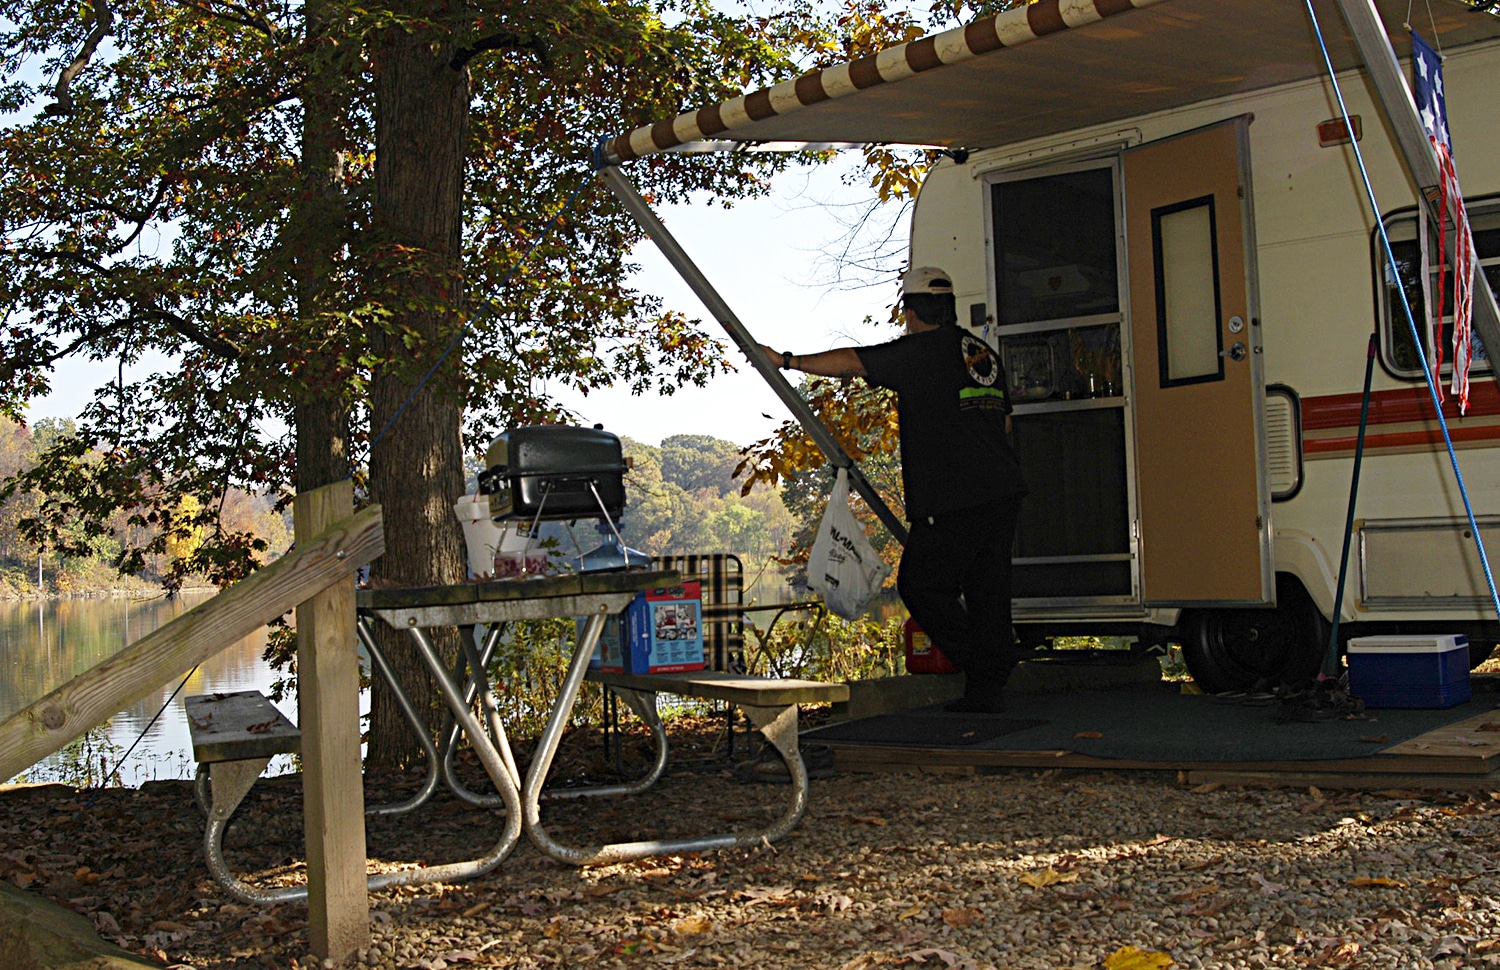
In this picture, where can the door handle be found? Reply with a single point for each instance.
(1236, 352)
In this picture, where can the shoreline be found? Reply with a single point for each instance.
(142, 593)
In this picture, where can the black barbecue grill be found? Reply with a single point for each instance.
(554, 472)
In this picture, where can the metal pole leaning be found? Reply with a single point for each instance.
(641, 210)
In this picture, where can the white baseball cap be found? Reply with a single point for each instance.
(926, 279)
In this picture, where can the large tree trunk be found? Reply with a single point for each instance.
(321, 415)
(416, 467)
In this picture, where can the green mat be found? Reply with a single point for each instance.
(1155, 723)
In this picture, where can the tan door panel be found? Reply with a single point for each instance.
(1196, 382)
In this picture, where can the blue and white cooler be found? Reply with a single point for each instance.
(1403, 671)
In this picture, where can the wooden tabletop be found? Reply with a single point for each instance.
(507, 600)
(543, 587)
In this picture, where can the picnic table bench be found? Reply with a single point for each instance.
(770, 703)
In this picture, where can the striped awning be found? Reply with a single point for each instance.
(1048, 67)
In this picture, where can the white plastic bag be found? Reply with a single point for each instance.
(843, 567)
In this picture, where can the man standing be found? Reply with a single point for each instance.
(962, 482)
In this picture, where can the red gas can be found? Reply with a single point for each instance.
(922, 655)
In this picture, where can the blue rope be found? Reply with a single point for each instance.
(1411, 322)
(453, 345)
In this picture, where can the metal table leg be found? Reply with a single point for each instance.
(450, 733)
(418, 726)
(778, 724)
(229, 781)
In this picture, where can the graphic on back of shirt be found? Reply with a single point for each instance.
(987, 393)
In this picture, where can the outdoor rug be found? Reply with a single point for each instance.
(928, 728)
(1153, 723)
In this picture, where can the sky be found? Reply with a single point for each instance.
(766, 257)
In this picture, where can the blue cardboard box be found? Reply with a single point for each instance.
(1402, 671)
(664, 630)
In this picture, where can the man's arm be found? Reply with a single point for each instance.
(843, 362)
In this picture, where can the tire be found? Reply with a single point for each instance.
(1228, 650)
(1479, 651)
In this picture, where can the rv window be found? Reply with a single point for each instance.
(1397, 348)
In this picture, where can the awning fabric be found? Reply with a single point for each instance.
(1050, 67)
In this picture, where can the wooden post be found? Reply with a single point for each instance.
(333, 801)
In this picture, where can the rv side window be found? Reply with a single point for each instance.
(1397, 348)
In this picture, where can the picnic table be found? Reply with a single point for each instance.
(240, 747)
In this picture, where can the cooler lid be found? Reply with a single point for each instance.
(1405, 644)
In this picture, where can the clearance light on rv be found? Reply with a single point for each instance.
(1333, 132)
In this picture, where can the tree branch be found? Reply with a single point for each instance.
(245, 18)
(145, 311)
(103, 21)
(505, 41)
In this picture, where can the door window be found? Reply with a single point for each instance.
(1183, 237)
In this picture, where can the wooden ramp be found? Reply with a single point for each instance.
(1463, 754)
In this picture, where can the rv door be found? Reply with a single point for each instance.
(1195, 333)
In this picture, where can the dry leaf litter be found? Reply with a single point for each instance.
(1012, 869)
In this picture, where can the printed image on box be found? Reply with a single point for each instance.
(665, 630)
(609, 652)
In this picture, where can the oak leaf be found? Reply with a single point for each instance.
(1132, 958)
(963, 917)
(1047, 877)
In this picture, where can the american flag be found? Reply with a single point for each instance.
(1432, 107)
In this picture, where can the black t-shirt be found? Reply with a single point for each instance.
(951, 399)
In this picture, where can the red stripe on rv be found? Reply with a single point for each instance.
(1410, 440)
(1401, 406)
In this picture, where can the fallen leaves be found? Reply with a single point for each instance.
(963, 917)
(1133, 958)
(692, 926)
(1377, 881)
(767, 896)
(1041, 878)
(1192, 894)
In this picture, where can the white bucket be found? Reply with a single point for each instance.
(483, 536)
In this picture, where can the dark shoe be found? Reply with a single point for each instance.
(992, 703)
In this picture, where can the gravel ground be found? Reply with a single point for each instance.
(1003, 870)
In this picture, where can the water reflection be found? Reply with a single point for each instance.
(45, 644)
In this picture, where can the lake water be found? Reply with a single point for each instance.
(44, 644)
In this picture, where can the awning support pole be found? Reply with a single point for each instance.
(1395, 96)
(626, 192)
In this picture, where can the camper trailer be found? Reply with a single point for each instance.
(1157, 216)
(1188, 467)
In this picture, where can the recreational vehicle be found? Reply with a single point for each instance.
(1156, 213)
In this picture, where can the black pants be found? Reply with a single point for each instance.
(955, 580)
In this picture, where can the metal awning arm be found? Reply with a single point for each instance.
(625, 190)
(1416, 151)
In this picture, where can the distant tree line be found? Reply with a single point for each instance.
(682, 497)
(90, 559)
